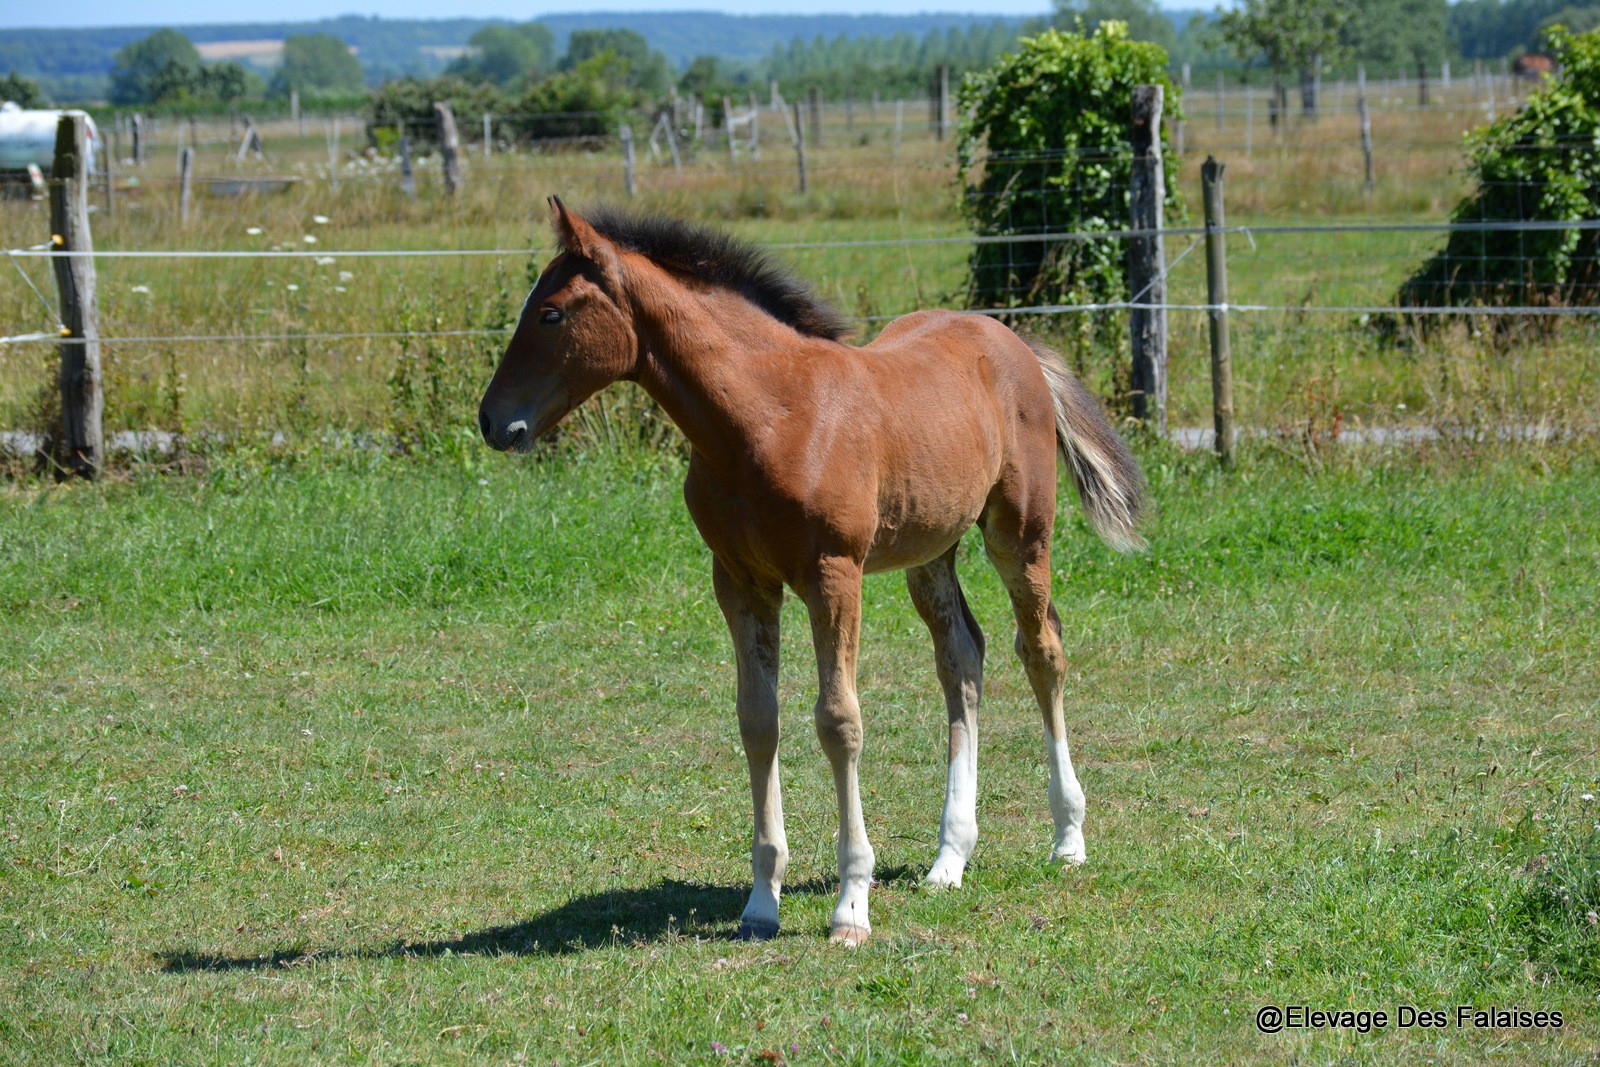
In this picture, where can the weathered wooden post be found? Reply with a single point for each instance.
(1147, 262)
(816, 117)
(1217, 298)
(110, 155)
(727, 124)
(626, 133)
(488, 136)
(408, 179)
(449, 146)
(294, 109)
(138, 140)
(755, 129)
(1367, 123)
(800, 145)
(333, 154)
(942, 127)
(185, 183)
(82, 446)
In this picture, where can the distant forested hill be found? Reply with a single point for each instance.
(73, 63)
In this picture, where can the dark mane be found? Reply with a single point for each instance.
(721, 259)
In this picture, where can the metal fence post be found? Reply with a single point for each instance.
(82, 445)
(1147, 262)
(1217, 297)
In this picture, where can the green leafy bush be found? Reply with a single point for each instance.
(587, 101)
(1045, 148)
(1539, 164)
(405, 105)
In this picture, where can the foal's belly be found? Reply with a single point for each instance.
(908, 537)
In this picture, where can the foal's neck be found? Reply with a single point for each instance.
(704, 354)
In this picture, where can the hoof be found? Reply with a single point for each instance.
(757, 930)
(1069, 851)
(942, 878)
(849, 936)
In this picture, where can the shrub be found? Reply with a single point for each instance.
(1044, 148)
(405, 105)
(1542, 164)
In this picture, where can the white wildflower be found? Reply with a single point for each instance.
(325, 261)
(308, 239)
(293, 288)
(254, 231)
(320, 220)
(346, 276)
(141, 289)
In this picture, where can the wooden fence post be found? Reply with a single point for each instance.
(408, 180)
(185, 182)
(800, 145)
(727, 127)
(488, 135)
(626, 133)
(816, 117)
(138, 140)
(1147, 262)
(449, 146)
(82, 445)
(755, 129)
(332, 132)
(1217, 297)
(294, 109)
(1366, 122)
(110, 154)
(942, 125)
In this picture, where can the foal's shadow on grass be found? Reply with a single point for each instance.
(668, 910)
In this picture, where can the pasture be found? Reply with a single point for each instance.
(436, 761)
(415, 754)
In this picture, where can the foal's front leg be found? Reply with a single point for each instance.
(752, 611)
(834, 598)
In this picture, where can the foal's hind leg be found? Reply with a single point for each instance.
(1019, 548)
(958, 655)
(752, 612)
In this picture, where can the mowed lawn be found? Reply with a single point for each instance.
(436, 761)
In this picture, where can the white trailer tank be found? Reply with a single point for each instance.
(30, 137)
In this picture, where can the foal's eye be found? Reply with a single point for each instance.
(550, 317)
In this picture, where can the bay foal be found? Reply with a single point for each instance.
(814, 462)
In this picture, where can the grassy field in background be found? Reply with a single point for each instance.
(1297, 373)
(433, 761)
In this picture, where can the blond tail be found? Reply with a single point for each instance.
(1109, 482)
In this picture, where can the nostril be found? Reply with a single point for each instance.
(483, 425)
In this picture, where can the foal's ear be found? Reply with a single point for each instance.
(580, 239)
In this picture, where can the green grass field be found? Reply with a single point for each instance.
(436, 761)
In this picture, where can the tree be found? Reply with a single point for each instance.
(642, 68)
(507, 55)
(1411, 34)
(317, 64)
(21, 91)
(1293, 35)
(136, 66)
(1144, 18)
(1045, 147)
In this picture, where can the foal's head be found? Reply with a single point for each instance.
(574, 338)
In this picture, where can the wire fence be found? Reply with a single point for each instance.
(301, 332)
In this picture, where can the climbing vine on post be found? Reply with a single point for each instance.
(1044, 148)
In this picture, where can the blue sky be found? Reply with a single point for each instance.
(190, 12)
